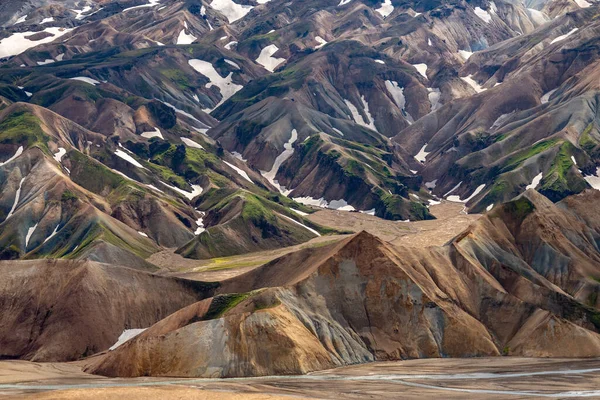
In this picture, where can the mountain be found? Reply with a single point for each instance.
(488, 292)
(198, 133)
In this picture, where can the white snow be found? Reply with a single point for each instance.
(151, 3)
(17, 42)
(563, 37)
(434, 202)
(29, 233)
(127, 334)
(574, 160)
(29, 94)
(535, 182)
(429, 43)
(191, 143)
(266, 60)
(200, 224)
(341, 205)
(546, 97)
(338, 131)
(453, 189)
(196, 190)
(358, 118)
(45, 62)
(489, 208)
(298, 223)
(230, 9)
(465, 54)
(143, 234)
(397, 93)
(17, 154)
(322, 42)
(46, 20)
(83, 11)
(225, 85)
(434, 98)
(190, 116)
(368, 212)
(583, 3)
(61, 152)
(593, 180)
(473, 83)
(380, 62)
(17, 197)
(287, 153)
(232, 63)
(344, 2)
(386, 8)
(125, 156)
(86, 80)
(155, 133)
(422, 69)
(310, 201)
(21, 20)
(483, 14)
(457, 199)
(421, 156)
(228, 45)
(302, 213)
(240, 171)
(431, 185)
(53, 233)
(185, 38)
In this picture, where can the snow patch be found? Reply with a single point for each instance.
(45, 62)
(16, 202)
(300, 224)
(574, 160)
(228, 45)
(18, 42)
(563, 37)
(358, 118)
(341, 205)
(21, 20)
(125, 156)
(230, 9)
(196, 190)
(142, 234)
(17, 154)
(397, 93)
(191, 143)
(232, 63)
(422, 69)
(58, 156)
(535, 182)
(127, 335)
(431, 185)
(322, 42)
(453, 189)
(489, 208)
(465, 54)
(46, 20)
(151, 3)
(434, 98)
(53, 233)
(546, 97)
(29, 233)
(593, 180)
(240, 171)
(483, 14)
(302, 213)
(86, 80)
(225, 85)
(155, 133)
(583, 3)
(421, 156)
(386, 8)
(287, 153)
(457, 199)
(473, 83)
(266, 60)
(185, 38)
(344, 2)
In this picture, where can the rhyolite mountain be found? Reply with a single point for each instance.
(214, 128)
